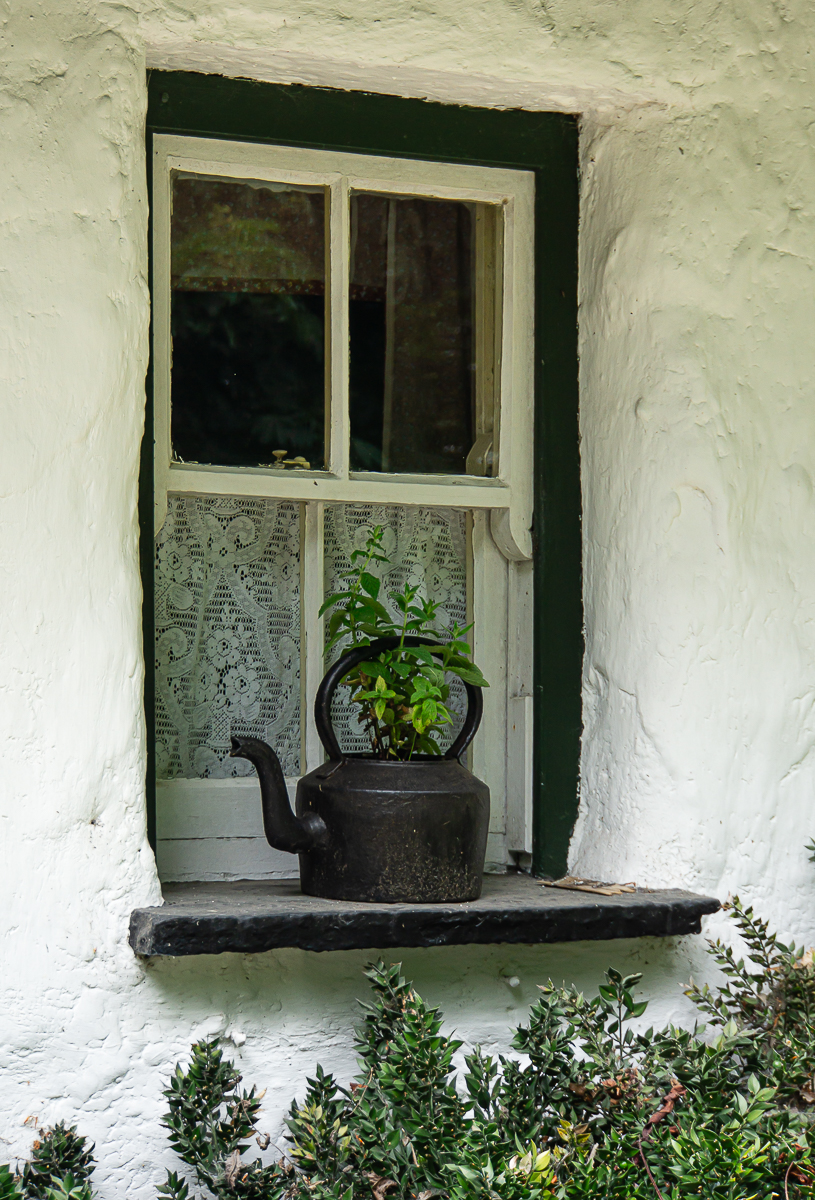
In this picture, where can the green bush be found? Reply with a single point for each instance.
(591, 1110)
(60, 1168)
(588, 1109)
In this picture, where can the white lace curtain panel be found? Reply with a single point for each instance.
(227, 619)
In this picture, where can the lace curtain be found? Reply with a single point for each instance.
(427, 547)
(227, 620)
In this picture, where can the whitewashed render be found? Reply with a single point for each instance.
(698, 439)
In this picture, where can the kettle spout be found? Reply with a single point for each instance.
(283, 829)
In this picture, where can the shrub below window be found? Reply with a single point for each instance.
(590, 1110)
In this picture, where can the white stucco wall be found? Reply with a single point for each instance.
(698, 428)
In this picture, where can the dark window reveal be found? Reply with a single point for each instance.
(248, 323)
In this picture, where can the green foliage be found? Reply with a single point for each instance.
(771, 998)
(592, 1108)
(401, 693)
(61, 1165)
(9, 1185)
(69, 1189)
(210, 1123)
(60, 1168)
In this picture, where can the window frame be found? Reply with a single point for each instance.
(199, 106)
(509, 495)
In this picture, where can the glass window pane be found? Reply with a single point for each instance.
(413, 332)
(426, 547)
(227, 621)
(248, 323)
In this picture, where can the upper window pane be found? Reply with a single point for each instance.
(413, 331)
(248, 323)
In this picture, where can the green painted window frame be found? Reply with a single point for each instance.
(194, 104)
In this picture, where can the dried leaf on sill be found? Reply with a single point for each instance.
(571, 883)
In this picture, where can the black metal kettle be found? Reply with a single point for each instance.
(374, 829)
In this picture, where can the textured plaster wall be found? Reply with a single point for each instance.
(698, 428)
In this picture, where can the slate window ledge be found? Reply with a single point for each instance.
(250, 917)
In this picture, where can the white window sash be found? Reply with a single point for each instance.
(499, 541)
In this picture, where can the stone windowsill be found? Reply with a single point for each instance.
(250, 917)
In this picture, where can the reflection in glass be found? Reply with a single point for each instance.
(411, 319)
(248, 323)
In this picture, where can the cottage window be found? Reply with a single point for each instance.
(340, 342)
(364, 312)
(344, 336)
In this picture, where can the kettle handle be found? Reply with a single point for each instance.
(358, 654)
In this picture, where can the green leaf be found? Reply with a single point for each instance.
(331, 600)
(371, 609)
(373, 631)
(370, 584)
(460, 647)
(375, 670)
(420, 653)
(9, 1185)
(467, 1172)
(470, 675)
(426, 745)
(335, 621)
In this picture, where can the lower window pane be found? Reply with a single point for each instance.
(426, 547)
(227, 622)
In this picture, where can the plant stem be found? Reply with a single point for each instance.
(404, 628)
(355, 592)
(648, 1169)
